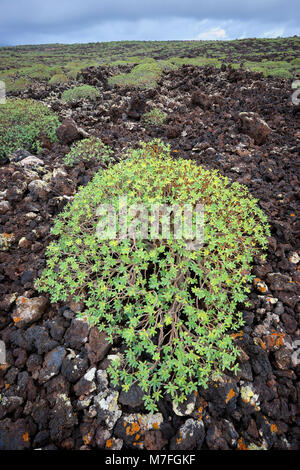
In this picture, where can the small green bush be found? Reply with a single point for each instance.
(22, 123)
(39, 71)
(87, 150)
(19, 84)
(58, 79)
(174, 308)
(83, 92)
(155, 117)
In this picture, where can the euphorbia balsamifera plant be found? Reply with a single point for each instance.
(24, 123)
(175, 308)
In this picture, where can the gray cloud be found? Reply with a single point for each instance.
(36, 21)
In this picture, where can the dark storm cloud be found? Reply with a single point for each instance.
(34, 21)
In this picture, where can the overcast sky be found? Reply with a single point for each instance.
(69, 21)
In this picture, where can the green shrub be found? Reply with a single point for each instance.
(144, 75)
(83, 92)
(22, 123)
(167, 65)
(155, 117)
(174, 308)
(19, 84)
(39, 71)
(296, 62)
(58, 79)
(295, 84)
(88, 150)
(73, 73)
(73, 69)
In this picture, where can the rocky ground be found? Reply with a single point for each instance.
(54, 390)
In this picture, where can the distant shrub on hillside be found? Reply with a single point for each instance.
(174, 312)
(39, 71)
(23, 123)
(167, 65)
(17, 85)
(73, 73)
(73, 69)
(58, 79)
(84, 92)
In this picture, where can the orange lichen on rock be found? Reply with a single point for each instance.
(230, 395)
(7, 235)
(260, 285)
(262, 288)
(243, 153)
(274, 340)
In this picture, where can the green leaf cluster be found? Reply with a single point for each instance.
(175, 309)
